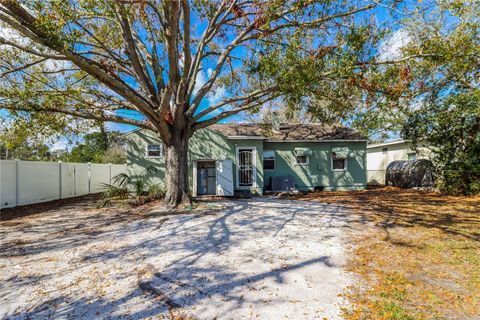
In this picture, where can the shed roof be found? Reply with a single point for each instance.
(288, 132)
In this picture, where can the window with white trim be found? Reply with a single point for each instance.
(301, 160)
(154, 151)
(268, 160)
(339, 163)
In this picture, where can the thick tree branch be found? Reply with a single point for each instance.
(31, 51)
(254, 96)
(23, 67)
(89, 116)
(132, 51)
(28, 27)
(229, 113)
(218, 67)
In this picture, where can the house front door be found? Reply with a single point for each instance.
(246, 167)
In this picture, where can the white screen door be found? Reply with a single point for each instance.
(224, 177)
(245, 167)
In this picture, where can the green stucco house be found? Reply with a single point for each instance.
(225, 159)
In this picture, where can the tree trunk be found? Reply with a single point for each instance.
(176, 171)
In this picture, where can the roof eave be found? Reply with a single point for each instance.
(318, 140)
(246, 138)
(390, 143)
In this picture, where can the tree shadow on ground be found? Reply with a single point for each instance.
(391, 208)
(183, 253)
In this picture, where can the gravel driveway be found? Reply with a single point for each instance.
(260, 258)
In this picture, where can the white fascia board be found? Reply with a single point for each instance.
(326, 141)
(390, 143)
(246, 138)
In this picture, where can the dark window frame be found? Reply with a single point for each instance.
(148, 150)
(273, 159)
(307, 160)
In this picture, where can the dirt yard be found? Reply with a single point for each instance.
(261, 258)
(418, 254)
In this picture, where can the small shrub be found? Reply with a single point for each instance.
(156, 191)
(134, 188)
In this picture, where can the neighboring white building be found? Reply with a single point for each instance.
(379, 155)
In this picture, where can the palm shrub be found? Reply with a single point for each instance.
(132, 187)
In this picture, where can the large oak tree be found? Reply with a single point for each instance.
(177, 66)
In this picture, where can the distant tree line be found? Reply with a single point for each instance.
(97, 147)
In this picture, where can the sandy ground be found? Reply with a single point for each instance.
(259, 258)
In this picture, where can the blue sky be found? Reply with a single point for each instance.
(382, 16)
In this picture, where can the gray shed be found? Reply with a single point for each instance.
(410, 173)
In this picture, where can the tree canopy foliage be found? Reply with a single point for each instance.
(438, 55)
(451, 128)
(178, 66)
(27, 135)
(446, 89)
(154, 64)
(98, 147)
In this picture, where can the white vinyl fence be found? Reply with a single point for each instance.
(376, 177)
(28, 182)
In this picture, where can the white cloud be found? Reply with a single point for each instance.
(199, 81)
(390, 49)
(216, 95)
(12, 35)
(54, 65)
(61, 144)
(417, 104)
(122, 127)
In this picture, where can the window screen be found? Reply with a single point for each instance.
(301, 160)
(339, 164)
(269, 160)
(154, 150)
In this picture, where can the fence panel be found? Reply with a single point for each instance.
(117, 169)
(8, 184)
(82, 179)
(99, 175)
(68, 179)
(28, 182)
(376, 177)
(37, 182)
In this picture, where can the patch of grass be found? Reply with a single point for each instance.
(416, 254)
(392, 310)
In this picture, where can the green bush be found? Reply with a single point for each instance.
(451, 128)
(461, 179)
(132, 187)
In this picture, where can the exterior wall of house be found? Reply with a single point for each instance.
(378, 158)
(207, 144)
(319, 171)
(204, 145)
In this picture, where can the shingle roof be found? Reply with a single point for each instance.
(288, 132)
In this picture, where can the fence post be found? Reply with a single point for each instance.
(89, 178)
(17, 187)
(109, 173)
(60, 179)
(75, 180)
